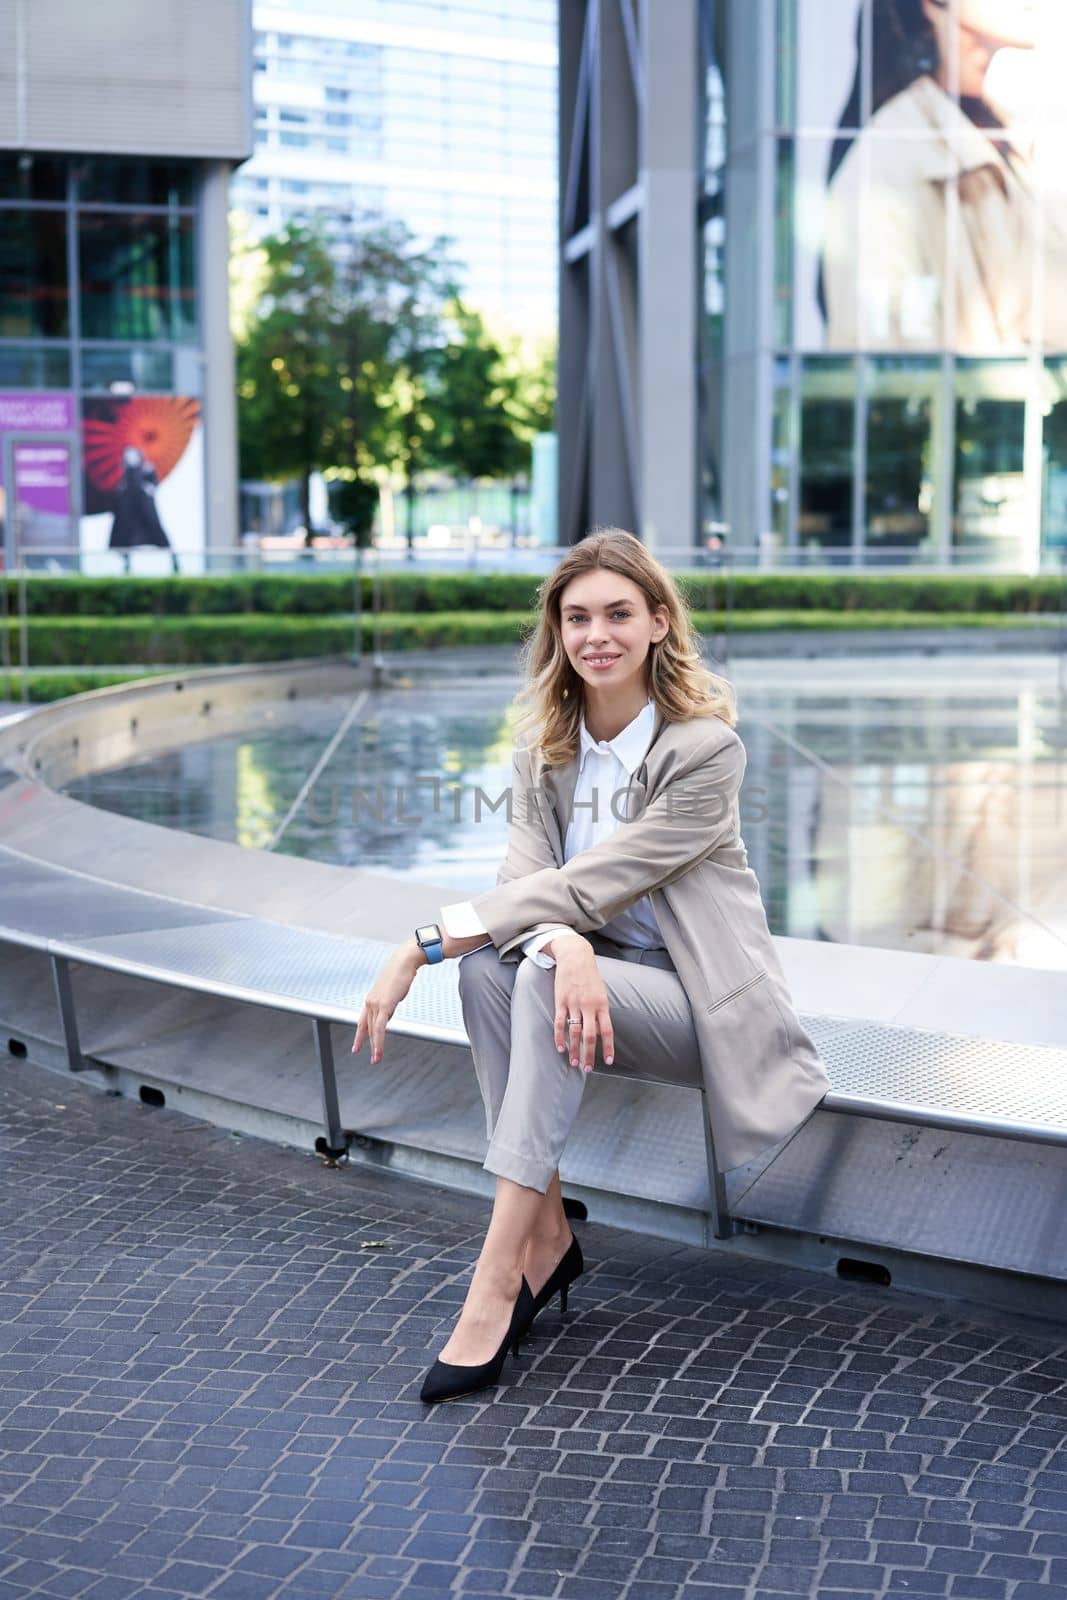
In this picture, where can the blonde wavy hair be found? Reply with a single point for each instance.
(551, 700)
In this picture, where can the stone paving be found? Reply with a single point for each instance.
(210, 1355)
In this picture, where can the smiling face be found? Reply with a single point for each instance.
(607, 628)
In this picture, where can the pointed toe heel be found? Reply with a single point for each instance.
(444, 1381)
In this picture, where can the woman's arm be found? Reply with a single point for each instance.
(528, 850)
(694, 813)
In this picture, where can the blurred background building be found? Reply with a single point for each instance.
(439, 112)
(118, 132)
(878, 277)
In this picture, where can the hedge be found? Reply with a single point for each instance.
(197, 640)
(415, 593)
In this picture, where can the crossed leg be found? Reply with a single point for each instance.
(531, 1095)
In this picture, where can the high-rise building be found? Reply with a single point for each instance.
(441, 113)
(119, 127)
(853, 212)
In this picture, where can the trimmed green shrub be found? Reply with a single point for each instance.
(213, 641)
(416, 594)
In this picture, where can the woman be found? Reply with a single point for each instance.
(136, 520)
(891, 276)
(624, 912)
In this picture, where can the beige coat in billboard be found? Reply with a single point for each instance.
(681, 845)
(932, 239)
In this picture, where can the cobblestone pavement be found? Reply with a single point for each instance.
(210, 1355)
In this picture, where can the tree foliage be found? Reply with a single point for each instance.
(363, 359)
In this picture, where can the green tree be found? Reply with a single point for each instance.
(337, 350)
(474, 404)
(288, 382)
(412, 288)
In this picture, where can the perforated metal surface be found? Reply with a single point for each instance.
(49, 902)
(293, 968)
(971, 1082)
(874, 1067)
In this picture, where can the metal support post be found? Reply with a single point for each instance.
(65, 1000)
(721, 1222)
(335, 1144)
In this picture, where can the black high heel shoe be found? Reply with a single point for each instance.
(569, 1268)
(444, 1381)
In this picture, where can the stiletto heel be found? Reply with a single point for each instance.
(445, 1381)
(571, 1267)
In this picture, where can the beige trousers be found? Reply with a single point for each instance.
(531, 1091)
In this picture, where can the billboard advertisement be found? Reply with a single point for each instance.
(930, 176)
(36, 476)
(143, 499)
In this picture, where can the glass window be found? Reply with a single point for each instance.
(714, 235)
(1054, 487)
(26, 177)
(144, 368)
(787, 64)
(137, 276)
(785, 186)
(827, 406)
(989, 501)
(33, 274)
(34, 366)
(825, 244)
(783, 452)
(135, 183)
(902, 394)
(821, 73)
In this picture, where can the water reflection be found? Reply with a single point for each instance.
(904, 817)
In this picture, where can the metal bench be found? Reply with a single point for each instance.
(887, 1072)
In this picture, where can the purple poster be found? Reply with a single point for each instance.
(37, 506)
(36, 413)
(42, 476)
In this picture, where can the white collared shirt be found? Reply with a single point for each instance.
(605, 768)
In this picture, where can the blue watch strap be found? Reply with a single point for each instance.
(433, 946)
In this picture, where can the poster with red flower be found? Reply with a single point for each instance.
(144, 481)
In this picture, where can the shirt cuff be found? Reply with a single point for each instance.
(532, 946)
(461, 921)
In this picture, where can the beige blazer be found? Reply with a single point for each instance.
(681, 845)
(932, 239)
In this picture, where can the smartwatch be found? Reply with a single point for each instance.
(429, 939)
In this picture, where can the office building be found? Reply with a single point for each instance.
(440, 114)
(852, 211)
(119, 128)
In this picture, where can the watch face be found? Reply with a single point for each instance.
(428, 934)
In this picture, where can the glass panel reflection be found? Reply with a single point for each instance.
(145, 369)
(907, 811)
(135, 182)
(902, 395)
(33, 274)
(1054, 486)
(989, 488)
(29, 366)
(827, 407)
(137, 276)
(26, 177)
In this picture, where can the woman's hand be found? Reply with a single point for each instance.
(580, 992)
(382, 998)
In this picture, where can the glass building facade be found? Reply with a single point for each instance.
(442, 114)
(883, 336)
(117, 394)
(101, 360)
